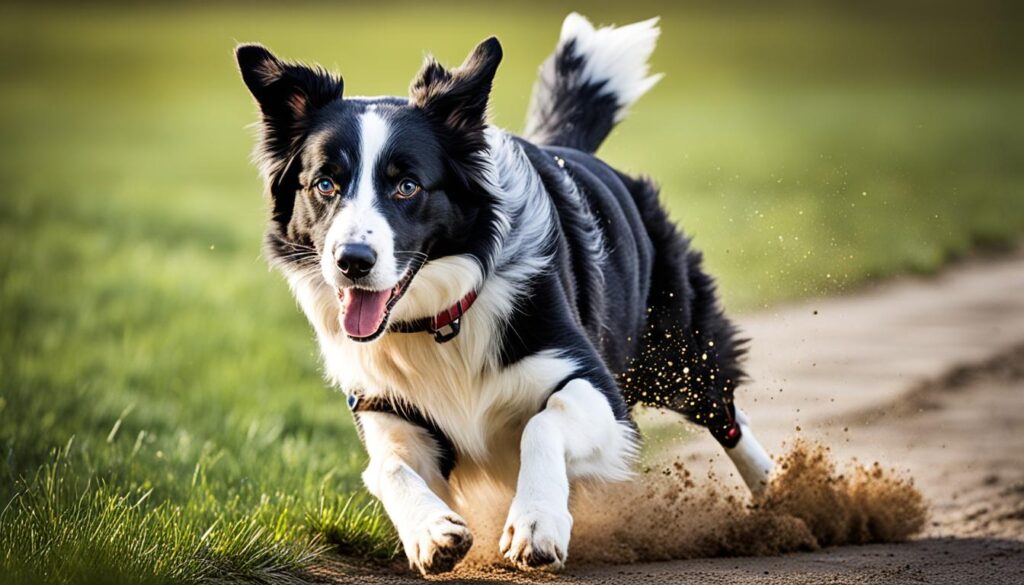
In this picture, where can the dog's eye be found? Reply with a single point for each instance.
(407, 188)
(326, 187)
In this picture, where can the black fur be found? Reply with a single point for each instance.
(289, 96)
(647, 309)
(577, 113)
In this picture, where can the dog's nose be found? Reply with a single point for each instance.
(356, 260)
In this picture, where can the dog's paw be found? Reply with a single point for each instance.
(438, 544)
(536, 537)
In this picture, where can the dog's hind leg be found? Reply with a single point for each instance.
(707, 399)
(693, 376)
(689, 358)
(749, 457)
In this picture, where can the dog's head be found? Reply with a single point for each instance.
(365, 191)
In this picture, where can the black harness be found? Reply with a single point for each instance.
(447, 454)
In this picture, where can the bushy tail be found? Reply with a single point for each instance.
(587, 85)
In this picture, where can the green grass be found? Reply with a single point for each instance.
(162, 414)
(58, 530)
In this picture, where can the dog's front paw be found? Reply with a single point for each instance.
(438, 544)
(536, 537)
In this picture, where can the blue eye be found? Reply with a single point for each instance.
(407, 188)
(326, 187)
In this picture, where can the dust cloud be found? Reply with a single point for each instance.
(809, 504)
(667, 513)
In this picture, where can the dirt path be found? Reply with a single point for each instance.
(924, 375)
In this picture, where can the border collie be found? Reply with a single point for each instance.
(492, 305)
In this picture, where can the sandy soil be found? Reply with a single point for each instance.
(925, 376)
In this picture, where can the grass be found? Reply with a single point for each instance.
(60, 531)
(162, 414)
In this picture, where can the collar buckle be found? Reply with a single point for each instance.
(446, 326)
(447, 332)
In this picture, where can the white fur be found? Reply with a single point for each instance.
(403, 474)
(576, 435)
(480, 406)
(360, 221)
(526, 215)
(750, 458)
(616, 56)
(439, 285)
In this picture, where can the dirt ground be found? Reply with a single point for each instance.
(924, 376)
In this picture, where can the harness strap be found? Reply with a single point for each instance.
(447, 459)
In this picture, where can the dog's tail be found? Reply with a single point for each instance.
(587, 85)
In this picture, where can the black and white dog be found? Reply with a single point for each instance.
(492, 305)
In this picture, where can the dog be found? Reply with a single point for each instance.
(492, 305)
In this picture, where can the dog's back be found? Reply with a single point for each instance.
(635, 283)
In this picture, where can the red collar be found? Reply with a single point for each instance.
(445, 325)
(454, 312)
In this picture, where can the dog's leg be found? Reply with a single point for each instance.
(576, 435)
(402, 471)
(749, 457)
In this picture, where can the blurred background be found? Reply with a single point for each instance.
(156, 376)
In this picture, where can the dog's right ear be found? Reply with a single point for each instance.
(288, 94)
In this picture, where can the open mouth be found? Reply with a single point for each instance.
(366, 312)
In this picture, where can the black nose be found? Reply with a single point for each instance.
(356, 260)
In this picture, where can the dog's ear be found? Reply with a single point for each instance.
(288, 94)
(457, 98)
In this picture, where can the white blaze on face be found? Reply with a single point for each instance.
(360, 220)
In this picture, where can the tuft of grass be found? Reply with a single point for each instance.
(356, 527)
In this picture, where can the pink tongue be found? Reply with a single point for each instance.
(364, 311)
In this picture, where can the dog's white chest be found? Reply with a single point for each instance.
(479, 404)
(462, 386)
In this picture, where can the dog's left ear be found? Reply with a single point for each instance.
(457, 98)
